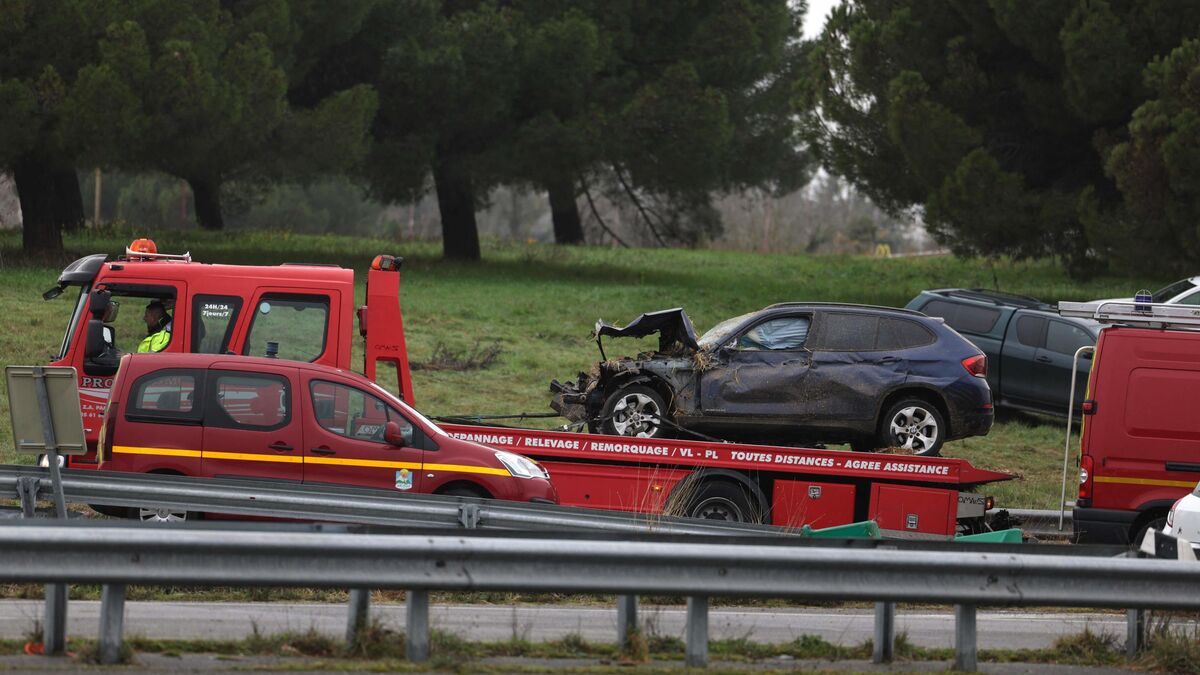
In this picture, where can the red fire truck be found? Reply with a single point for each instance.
(306, 313)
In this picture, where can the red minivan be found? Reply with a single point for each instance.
(1141, 434)
(216, 415)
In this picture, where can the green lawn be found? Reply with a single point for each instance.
(539, 302)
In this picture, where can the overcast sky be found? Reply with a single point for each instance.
(815, 19)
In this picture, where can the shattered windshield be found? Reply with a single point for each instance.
(720, 333)
(66, 342)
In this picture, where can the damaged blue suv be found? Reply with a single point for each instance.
(874, 377)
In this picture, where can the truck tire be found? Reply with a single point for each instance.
(722, 500)
(1154, 520)
(635, 410)
(915, 425)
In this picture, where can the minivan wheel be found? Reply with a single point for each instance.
(636, 411)
(913, 425)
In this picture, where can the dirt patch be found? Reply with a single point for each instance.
(478, 357)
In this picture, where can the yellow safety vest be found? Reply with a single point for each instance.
(156, 342)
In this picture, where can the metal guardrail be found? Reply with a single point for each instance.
(73, 552)
(334, 503)
(34, 551)
(1043, 522)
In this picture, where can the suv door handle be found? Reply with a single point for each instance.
(1044, 359)
(281, 447)
(323, 451)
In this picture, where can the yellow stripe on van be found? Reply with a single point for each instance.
(253, 457)
(167, 452)
(467, 469)
(293, 459)
(416, 466)
(1145, 481)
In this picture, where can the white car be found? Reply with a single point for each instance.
(1183, 526)
(1182, 292)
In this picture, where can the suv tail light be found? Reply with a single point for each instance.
(1085, 477)
(976, 365)
(105, 444)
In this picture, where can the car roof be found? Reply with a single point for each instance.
(844, 305)
(171, 360)
(993, 297)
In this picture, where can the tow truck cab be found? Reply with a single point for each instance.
(300, 312)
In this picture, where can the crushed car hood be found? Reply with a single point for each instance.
(673, 326)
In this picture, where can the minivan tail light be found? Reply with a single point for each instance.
(1085, 477)
(976, 365)
(106, 432)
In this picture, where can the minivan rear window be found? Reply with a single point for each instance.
(254, 401)
(168, 395)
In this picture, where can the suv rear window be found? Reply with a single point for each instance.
(902, 334)
(962, 317)
(849, 332)
(846, 332)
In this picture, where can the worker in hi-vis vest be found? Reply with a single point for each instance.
(158, 328)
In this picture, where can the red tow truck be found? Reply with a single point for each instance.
(307, 313)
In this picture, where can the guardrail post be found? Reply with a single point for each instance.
(359, 610)
(27, 489)
(54, 632)
(627, 621)
(964, 638)
(697, 632)
(112, 622)
(417, 626)
(885, 632)
(1135, 632)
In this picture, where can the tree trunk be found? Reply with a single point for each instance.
(456, 203)
(206, 196)
(68, 200)
(41, 233)
(564, 211)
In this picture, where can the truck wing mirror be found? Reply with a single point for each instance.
(99, 338)
(100, 356)
(101, 299)
(393, 435)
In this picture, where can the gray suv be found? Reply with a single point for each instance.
(1029, 346)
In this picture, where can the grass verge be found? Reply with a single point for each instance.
(383, 649)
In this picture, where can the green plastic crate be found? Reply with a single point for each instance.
(1011, 536)
(867, 529)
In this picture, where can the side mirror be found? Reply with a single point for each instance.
(99, 305)
(100, 357)
(98, 338)
(393, 435)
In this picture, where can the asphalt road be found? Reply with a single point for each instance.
(996, 629)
